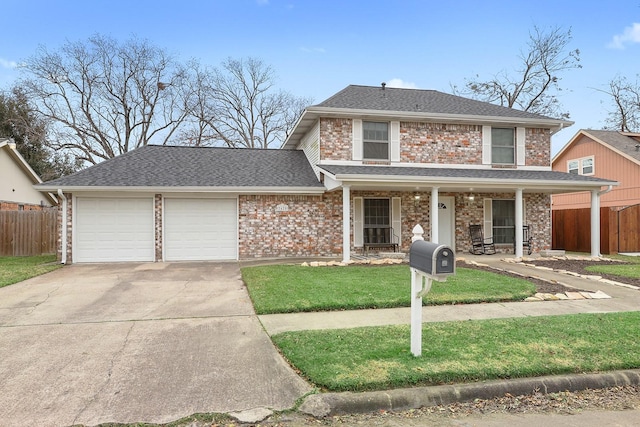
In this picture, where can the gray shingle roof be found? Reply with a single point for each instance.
(503, 175)
(170, 166)
(416, 100)
(623, 143)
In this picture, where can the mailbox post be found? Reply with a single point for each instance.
(428, 261)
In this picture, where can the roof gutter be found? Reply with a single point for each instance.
(600, 193)
(63, 250)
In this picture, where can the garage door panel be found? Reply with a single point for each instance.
(200, 229)
(111, 230)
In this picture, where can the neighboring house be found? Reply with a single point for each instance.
(366, 159)
(606, 154)
(17, 180)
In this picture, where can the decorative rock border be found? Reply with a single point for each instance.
(540, 296)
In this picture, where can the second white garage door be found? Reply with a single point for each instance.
(200, 229)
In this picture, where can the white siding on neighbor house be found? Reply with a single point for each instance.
(113, 229)
(200, 229)
(310, 145)
(15, 185)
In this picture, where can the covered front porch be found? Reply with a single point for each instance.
(447, 201)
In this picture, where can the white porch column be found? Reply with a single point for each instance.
(346, 223)
(595, 223)
(434, 215)
(518, 235)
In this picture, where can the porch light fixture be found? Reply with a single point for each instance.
(416, 199)
(471, 197)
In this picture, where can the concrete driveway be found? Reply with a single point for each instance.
(90, 344)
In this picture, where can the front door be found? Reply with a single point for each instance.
(446, 221)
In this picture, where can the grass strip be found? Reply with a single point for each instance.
(293, 288)
(376, 358)
(17, 269)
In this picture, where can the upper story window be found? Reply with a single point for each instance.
(375, 140)
(503, 149)
(582, 166)
(503, 146)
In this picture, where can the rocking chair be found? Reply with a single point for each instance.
(480, 245)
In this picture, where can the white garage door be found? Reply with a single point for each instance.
(109, 230)
(200, 229)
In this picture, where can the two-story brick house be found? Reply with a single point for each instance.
(368, 158)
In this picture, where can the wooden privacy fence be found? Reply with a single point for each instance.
(27, 233)
(619, 230)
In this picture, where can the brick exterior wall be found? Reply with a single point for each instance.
(15, 206)
(61, 228)
(335, 139)
(157, 214)
(538, 143)
(431, 143)
(440, 143)
(290, 226)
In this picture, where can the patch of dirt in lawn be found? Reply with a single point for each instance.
(542, 286)
(579, 266)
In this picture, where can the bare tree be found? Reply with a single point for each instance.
(237, 105)
(105, 98)
(625, 96)
(534, 86)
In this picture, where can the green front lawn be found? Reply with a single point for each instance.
(17, 269)
(456, 352)
(631, 270)
(293, 288)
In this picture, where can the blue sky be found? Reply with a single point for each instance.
(318, 47)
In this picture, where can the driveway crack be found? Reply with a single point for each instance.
(35, 306)
(107, 380)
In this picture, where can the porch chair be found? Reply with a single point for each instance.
(480, 245)
(527, 240)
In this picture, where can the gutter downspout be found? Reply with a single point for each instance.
(63, 250)
(601, 192)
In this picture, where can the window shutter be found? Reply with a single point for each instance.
(520, 146)
(487, 229)
(357, 140)
(486, 145)
(358, 213)
(396, 218)
(395, 141)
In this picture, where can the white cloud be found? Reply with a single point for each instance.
(399, 83)
(8, 64)
(629, 36)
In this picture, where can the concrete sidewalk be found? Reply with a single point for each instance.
(623, 299)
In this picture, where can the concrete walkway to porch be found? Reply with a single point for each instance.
(622, 299)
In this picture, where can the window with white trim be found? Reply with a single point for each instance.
(503, 146)
(504, 221)
(583, 166)
(375, 140)
(572, 166)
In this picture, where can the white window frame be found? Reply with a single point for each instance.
(375, 141)
(488, 217)
(519, 148)
(580, 165)
(357, 149)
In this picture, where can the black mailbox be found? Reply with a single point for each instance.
(432, 258)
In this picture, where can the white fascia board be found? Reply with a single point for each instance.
(216, 190)
(568, 144)
(441, 117)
